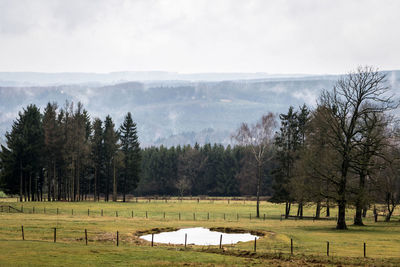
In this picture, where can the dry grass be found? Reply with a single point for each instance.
(310, 237)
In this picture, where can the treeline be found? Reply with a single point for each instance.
(64, 155)
(212, 170)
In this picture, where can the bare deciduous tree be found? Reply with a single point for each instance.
(356, 95)
(183, 185)
(258, 137)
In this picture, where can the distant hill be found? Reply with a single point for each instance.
(177, 112)
(47, 79)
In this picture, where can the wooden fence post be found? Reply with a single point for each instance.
(22, 230)
(365, 250)
(220, 241)
(117, 238)
(86, 236)
(55, 235)
(327, 248)
(152, 239)
(255, 244)
(291, 246)
(185, 239)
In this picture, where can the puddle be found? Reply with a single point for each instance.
(199, 236)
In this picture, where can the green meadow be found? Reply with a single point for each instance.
(103, 220)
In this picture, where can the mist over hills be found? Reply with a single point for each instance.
(98, 79)
(168, 112)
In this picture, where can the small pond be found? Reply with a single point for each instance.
(199, 236)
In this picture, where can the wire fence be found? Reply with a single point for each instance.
(116, 238)
(155, 215)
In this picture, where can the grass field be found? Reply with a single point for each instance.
(309, 237)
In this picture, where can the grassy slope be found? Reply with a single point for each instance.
(383, 239)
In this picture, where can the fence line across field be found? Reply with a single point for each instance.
(56, 234)
(199, 216)
(161, 215)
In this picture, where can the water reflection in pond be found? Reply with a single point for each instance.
(199, 236)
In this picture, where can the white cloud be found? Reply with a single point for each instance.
(307, 36)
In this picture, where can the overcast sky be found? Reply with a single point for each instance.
(297, 36)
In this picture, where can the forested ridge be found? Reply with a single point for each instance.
(343, 152)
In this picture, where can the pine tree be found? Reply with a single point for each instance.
(132, 157)
(286, 142)
(110, 151)
(97, 147)
(51, 146)
(13, 159)
(23, 158)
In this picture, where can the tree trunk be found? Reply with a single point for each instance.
(48, 184)
(95, 184)
(258, 189)
(328, 210)
(30, 187)
(114, 183)
(389, 215)
(20, 181)
(59, 186)
(36, 190)
(358, 216)
(359, 201)
(364, 211)
(78, 184)
(287, 209)
(301, 210)
(318, 210)
(25, 187)
(54, 181)
(108, 184)
(72, 185)
(124, 189)
(341, 222)
(390, 206)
